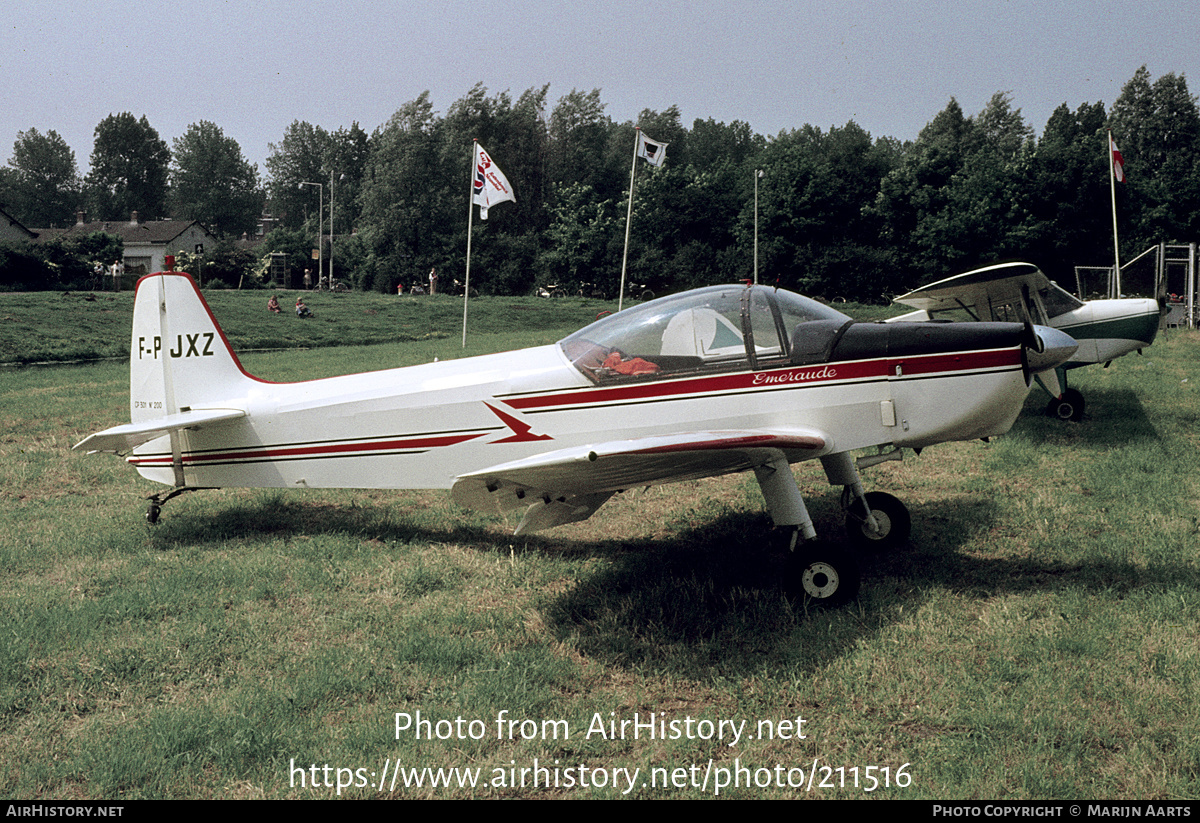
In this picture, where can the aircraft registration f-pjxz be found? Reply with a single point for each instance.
(707, 382)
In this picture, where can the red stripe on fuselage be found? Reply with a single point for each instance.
(418, 443)
(914, 367)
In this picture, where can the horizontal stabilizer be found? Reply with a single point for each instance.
(131, 435)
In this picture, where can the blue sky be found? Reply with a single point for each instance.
(254, 67)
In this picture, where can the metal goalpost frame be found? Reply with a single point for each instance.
(1173, 268)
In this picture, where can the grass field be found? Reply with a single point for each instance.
(1037, 639)
(51, 327)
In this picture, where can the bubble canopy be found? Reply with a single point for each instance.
(719, 328)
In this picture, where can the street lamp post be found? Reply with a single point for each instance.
(320, 223)
(340, 177)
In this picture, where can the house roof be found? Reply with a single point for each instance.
(132, 232)
(16, 224)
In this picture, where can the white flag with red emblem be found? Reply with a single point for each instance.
(491, 186)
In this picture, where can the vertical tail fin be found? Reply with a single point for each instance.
(179, 359)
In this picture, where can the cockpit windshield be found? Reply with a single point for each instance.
(720, 328)
(1058, 301)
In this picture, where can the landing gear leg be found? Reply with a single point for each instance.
(885, 525)
(874, 520)
(784, 501)
(1065, 404)
(818, 573)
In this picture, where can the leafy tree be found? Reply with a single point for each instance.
(1157, 126)
(515, 134)
(407, 199)
(129, 166)
(224, 266)
(354, 263)
(300, 157)
(956, 200)
(579, 146)
(213, 183)
(726, 158)
(505, 264)
(346, 165)
(1000, 130)
(22, 268)
(712, 145)
(914, 193)
(987, 217)
(41, 186)
(70, 261)
(475, 117)
(817, 232)
(579, 237)
(1067, 193)
(295, 243)
(338, 161)
(1130, 119)
(529, 144)
(682, 218)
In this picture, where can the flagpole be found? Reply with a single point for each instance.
(470, 225)
(757, 174)
(1115, 285)
(628, 216)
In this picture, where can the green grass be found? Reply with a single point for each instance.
(44, 326)
(1038, 638)
(40, 327)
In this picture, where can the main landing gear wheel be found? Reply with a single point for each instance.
(1067, 407)
(821, 575)
(891, 518)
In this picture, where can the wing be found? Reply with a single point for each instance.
(131, 435)
(978, 290)
(570, 484)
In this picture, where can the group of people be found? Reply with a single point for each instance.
(301, 309)
(417, 288)
(116, 271)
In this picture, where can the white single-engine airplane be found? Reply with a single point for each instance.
(1104, 329)
(712, 381)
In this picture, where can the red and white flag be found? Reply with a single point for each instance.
(654, 152)
(490, 186)
(1117, 160)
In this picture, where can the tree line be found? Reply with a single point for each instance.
(839, 213)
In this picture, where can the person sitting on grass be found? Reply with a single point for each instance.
(273, 305)
(302, 310)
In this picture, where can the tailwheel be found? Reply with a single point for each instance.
(821, 575)
(892, 522)
(157, 501)
(1067, 407)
